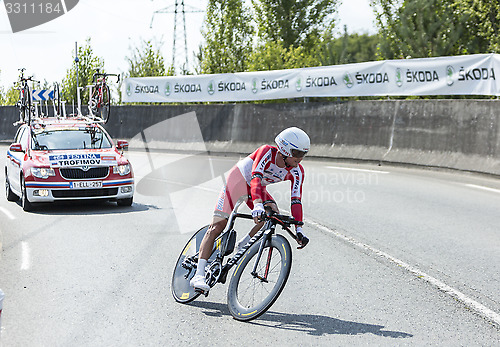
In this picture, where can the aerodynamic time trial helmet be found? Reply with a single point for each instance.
(293, 142)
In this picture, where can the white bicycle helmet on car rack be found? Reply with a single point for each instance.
(293, 142)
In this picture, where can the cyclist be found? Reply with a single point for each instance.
(250, 176)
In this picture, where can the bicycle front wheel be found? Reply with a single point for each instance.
(251, 294)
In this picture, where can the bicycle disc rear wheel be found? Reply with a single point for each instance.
(181, 289)
(250, 295)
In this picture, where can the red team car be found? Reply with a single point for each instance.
(56, 159)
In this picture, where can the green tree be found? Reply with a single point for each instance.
(294, 22)
(11, 96)
(483, 21)
(417, 28)
(349, 48)
(429, 28)
(87, 64)
(228, 37)
(274, 56)
(146, 60)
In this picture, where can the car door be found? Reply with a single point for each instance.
(15, 162)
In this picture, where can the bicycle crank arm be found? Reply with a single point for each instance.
(223, 274)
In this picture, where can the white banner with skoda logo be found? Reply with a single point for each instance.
(460, 75)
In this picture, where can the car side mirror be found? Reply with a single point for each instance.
(16, 147)
(121, 144)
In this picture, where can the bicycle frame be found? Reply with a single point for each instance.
(263, 235)
(98, 90)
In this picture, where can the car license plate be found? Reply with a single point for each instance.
(86, 185)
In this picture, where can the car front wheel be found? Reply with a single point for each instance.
(25, 203)
(125, 202)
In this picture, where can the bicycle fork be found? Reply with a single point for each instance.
(267, 238)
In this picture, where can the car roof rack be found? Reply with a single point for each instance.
(35, 113)
(38, 119)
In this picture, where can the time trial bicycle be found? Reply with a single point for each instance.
(262, 265)
(100, 98)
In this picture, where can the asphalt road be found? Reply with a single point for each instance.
(384, 241)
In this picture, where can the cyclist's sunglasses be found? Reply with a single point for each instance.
(298, 154)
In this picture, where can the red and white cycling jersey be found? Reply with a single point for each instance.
(261, 164)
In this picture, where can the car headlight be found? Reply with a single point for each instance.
(42, 172)
(121, 170)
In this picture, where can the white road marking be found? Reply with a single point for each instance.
(7, 213)
(480, 309)
(359, 170)
(26, 256)
(483, 188)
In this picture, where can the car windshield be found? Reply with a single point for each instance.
(75, 138)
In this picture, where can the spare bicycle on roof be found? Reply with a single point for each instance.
(26, 109)
(30, 110)
(100, 97)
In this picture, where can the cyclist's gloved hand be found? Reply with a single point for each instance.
(258, 210)
(302, 239)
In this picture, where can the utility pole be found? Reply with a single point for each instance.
(180, 36)
(78, 100)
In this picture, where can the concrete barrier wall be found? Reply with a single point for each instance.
(458, 134)
(8, 115)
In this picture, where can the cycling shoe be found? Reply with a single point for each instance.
(302, 240)
(198, 282)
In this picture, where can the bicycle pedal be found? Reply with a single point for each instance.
(201, 291)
